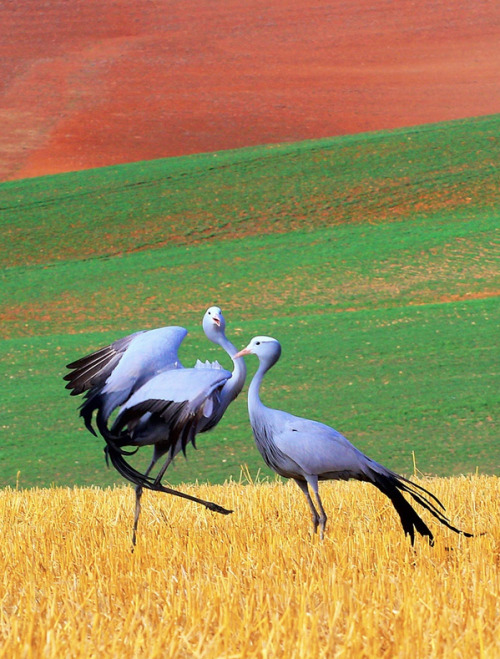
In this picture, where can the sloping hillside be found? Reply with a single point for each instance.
(372, 258)
(121, 81)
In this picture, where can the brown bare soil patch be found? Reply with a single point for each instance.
(481, 295)
(103, 83)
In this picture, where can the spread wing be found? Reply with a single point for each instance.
(93, 370)
(170, 408)
(134, 357)
(110, 375)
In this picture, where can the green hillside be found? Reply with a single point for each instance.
(373, 258)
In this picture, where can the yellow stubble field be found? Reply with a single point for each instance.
(256, 583)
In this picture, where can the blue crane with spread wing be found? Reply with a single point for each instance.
(160, 403)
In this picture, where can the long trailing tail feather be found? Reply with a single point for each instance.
(410, 520)
(114, 454)
(91, 403)
(392, 485)
(87, 410)
(136, 477)
(432, 509)
(413, 485)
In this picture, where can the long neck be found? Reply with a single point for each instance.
(235, 384)
(255, 405)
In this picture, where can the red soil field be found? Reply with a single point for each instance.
(87, 84)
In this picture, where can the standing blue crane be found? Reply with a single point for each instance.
(309, 451)
(160, 403)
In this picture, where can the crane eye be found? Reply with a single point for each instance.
(257, 343)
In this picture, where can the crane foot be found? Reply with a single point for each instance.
(217, 509)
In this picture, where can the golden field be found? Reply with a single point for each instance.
(253, 584)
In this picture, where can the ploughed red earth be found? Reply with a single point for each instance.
(88, 84)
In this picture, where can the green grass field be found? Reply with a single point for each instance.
(372, 258)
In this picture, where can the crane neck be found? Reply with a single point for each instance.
(254, 401)
(235, 384)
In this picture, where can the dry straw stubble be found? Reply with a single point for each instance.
(253, 584)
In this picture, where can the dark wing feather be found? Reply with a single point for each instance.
(93, 370)
(179, 419)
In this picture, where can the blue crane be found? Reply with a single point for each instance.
(309, 452)
(159, 402)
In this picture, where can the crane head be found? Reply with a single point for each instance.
(214, 324)
(266, 348)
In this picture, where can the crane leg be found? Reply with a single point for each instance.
(162, 471)
(315, 517)
(138, 495)
(158, 487)
(322, 514)
(313, 482)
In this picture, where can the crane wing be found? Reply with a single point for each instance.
(94, 369)
(128, 362)
(317, 448)
(172, 405)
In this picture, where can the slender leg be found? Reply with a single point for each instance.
(315, 517)
(138, 495)
(162, 471)
(313, 482)
(139, 490)
(161, 488)
(157, 487)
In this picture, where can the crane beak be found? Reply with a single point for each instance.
(216, 320)
(242, 353)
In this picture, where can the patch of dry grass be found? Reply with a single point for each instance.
(253, 584)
